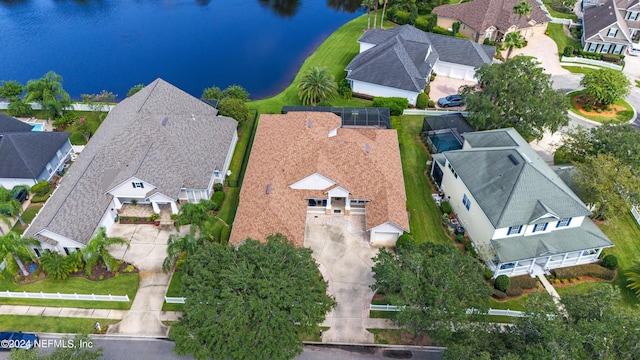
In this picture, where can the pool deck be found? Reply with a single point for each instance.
(46, 125)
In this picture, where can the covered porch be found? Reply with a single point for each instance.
(546, 263)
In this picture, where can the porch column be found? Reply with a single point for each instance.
(580, 256)
(533, 263)
(327, 210)
(117, 203)
(565, 258)
(598, 253)
(156, 208)
(546, 264)
(347, 205)
(174, 207)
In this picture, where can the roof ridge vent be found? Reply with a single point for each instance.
(526, 158)
(193, 117)
(164, 121)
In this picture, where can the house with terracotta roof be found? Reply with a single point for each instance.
(398, 62)
(610, 26)
(27, 156)
(521, 217)
(306, 163)
(492, 19)
(158, 147)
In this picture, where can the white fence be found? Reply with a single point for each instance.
(58, 296)
(636, 214)
(432, 112)
(76, 106)
(591, 62)
(469, 311)
(174, 300)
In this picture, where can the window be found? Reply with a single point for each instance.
(633, 15)
(59, 153)
(612, 32)
(592, 47)
(452, 171)
(563, 222)
(216, 174)
(540, 227)
(618, 49)
(466, 202)
(605, 48)
(49, 169)
(37, 251)
(137, 185)
(514, 230)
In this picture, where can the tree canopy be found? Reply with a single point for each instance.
(134, 89)
(48, 92)
(435, 282)
(513, 40)
(515, 94)
(10, 89)
(250, 302)
(606, 85)
(523, 8)
(317, 86)
(619, 140)
(234, 108)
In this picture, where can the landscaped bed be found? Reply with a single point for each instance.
(619, 112)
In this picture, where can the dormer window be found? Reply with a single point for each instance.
(612, 32)
(563, 222)
(540, 227)
(137, 185)
(633, 15)
(514, 230)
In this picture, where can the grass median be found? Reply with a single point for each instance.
(51, 324)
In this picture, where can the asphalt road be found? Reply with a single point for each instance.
(126, 348)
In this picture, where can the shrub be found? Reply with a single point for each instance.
(488, 274)
(445, 220)
(225, 233)
(470, 250)
(572, 280)
(431, 103)
(101, 277)
(460, 238)
(613, 58)
(502, 283)
(489, 42)
(404, 241)
(610, 261)
(441, 30)
(422, 101)
(128, 269)
(402, 17)
(445, 207)
(524, 282)
(563, 281)
(500, 295)
(41, 188)
(593, 270)
(40, 199)
(450, 230)
(432, 76)
(568, 50)
(421, 24)
(556, 281)
(514, 291)
(344, 89)
(427, 89)
(218, 197)
(396, 105)
(217, 187)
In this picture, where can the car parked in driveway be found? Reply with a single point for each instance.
(17, 340)
(451, 101)
(21, 195)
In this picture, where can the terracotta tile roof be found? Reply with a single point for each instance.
(286, 150)
(482, 14)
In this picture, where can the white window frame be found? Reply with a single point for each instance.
(605, 48)
(633, 15)
(612, 30)
(49, 168)
(137, 184)
(514, 230)
(618, 49)
(563, 222)
(592, 47)
(537, 227)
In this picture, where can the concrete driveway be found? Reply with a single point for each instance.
(340, 247)
(546, 50)
(443, 86)
(147, 252)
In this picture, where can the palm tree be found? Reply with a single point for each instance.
(13, 248)
(195, 214)
(316, 86)
(179, 246)
(48, 92)
(522, 9)
(56, 265)
(384, 7)
(367, 4)
(513, 40)
(97, 250)
(633, 277)
(375, 11)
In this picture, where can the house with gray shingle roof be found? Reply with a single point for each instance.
(161, 146)
(521, 217)
(28, 156)
(610, 26)
(492, 19)
(398, 62)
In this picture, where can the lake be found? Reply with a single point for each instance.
(193, 44)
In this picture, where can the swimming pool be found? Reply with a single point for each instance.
(37, 127)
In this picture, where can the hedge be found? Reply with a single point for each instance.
(524, 282)
(218, 198)
(396, 105)
(41, 188)
(499, 294)
(514, 291)
(592, 270)
(423, 101)
(610, 261)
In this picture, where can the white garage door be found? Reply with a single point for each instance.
(458, 73)
(443, 70)
(385, 237)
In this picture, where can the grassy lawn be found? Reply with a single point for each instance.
(580, 69)
(334, 53)
(624, 232)
(424, 215)
(174, 291)
(621, 117)
(50, 324)
(120, 285)
(315, 336)
(557, 14)
(562, 40)
(513, 304)
(28, 215)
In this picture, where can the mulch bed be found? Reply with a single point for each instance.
(579, 103)
(98, 271)
(575, 282)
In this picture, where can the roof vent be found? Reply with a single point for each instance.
(526, 158)
(309, 123)
(268, 190)
(164, 121)
(193, 117)
(513, 159)
(366, 148)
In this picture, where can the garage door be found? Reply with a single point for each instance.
(385, 237)
(458, 73)
(443, 70)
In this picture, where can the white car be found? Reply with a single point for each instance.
(634, 50)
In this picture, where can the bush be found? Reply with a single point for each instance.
(502, 283)
(593, 270)
(613, 58)
(441, 31)
(403, 241)
(488, 274)
(432, 76)
(514, 291)
(344, 89)
(460, 238)
(568, 50)
(445, 207)
(431, 103)
(40, 198)
(500, 295)
(421, 24)
(470, 250)
(128, 269)
(217, 187)
(445, 220)
(489, 42)
(225, 234)
(402, 17)
(41, 188)
(610, 261)
(422, 101)
(427, 90)
(396, 105)
(524, 282)
(218, 198)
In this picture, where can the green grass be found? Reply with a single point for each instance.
(315, 336)
(50, 324)
(27, 216)
(621, 117)
(375, 314)
(580, 69)
(562, 40)
(624, 232)
(513, 304)
(558, 14)
(638, 83)
(120, 285)
(174, 291)
(334, 53)
(386, 336)
(424, 215)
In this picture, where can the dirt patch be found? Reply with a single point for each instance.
(611, 112)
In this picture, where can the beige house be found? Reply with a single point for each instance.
(492, 19)
(307, 163)
(610, 26)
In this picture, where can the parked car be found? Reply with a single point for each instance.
(634, 50)
(21, 195)
(451, 100)
(17, 340)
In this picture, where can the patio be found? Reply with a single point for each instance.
(145, 211)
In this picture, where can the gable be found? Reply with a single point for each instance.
(25, 154)
(314, 181)
(132, 187)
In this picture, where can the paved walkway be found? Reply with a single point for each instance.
(339, 246)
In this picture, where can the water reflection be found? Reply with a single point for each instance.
(349, 6)
(283, 8)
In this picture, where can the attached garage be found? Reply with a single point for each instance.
(455, 71)
(385, 234)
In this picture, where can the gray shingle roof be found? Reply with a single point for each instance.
(132, 141)
(512, 194)
(587, 236)
(399, 59)
(597, 18)
(25, 154)
(9, 124)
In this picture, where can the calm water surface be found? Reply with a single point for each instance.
(194, 44)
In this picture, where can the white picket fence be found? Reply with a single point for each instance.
(590, 62)
(469, 311)
(174, 300)
(59, 296)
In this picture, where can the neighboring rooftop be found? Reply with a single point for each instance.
(596, 18)
(290, 147)
(370, 116)
(25, 154)
(10, 124)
